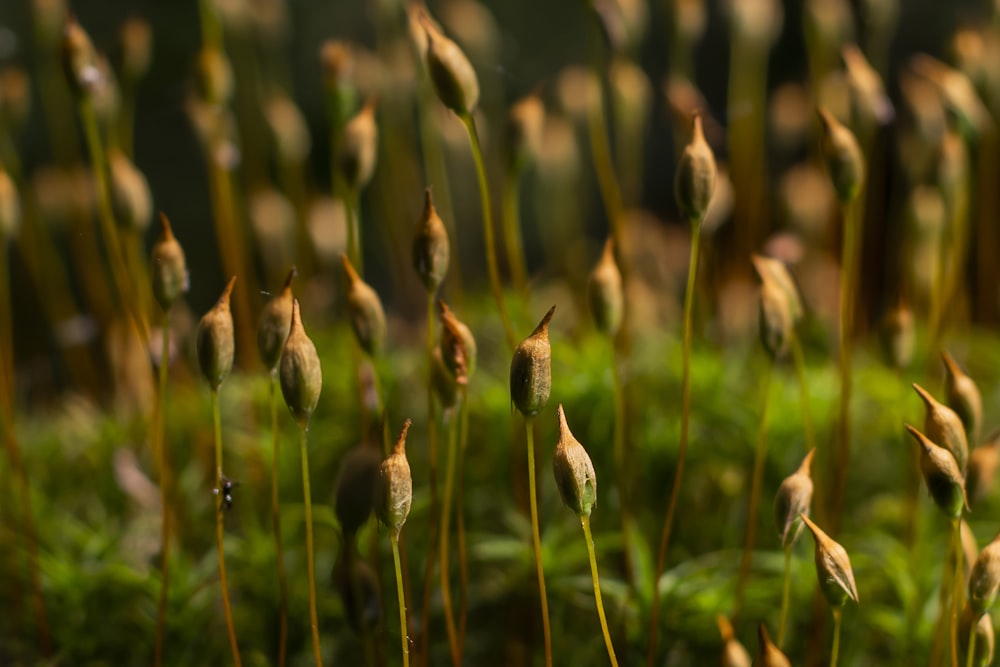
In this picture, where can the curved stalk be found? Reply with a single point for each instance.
(463, 566)
(405, 645)
(835, 651)
(449, 480)
(537, 539)
(958, 581)
(786, 588)
(585, 522)
(848, 259)
(491, 253)
(161, 454)
(668, 520)
(310, 560)
(758, 474)
(219, 509)
(276, 522)
(435, 527)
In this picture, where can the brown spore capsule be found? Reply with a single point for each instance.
(980, 474)
(354, 494)
(525, 130)
(943, 426)
(457, 345)
(431, 248)
(394, 486)
(359, 148)
(454, 78)
(10, 207)
(963, 396)
(734, 654)
(843, 158)
(168, 267)
(136, 39)
(793, 500)
(79, 60)
(275, 323)
(768, 655)
(833, 567)
(941, 474)
(605, 293)
(130, 195)
(574, 471)
(775, 320)
(365, 310)
(696, 175)
(300, 372)
(214, 341)
(984, 580)
(531, 370)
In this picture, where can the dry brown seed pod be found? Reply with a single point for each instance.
(359, 148)
(394, 486)
(843, 157)
(168, 267)
(431, 248)
(943, 426)
(292, 141)
(696, 174)
(833, 567)
(984, 580)
(365, 310)
(457, 347)
(215, 76)
(733, 652)
(354, 494)
(337, 61)
(768, 655)
(214, 340)
(130, 195)
(574, 471)
(793, 499)
(985, 638)
(605, 293)
(898, 336)
(957, 92)
(981, 472)
(444, 383)
(136, 48)
(776, 322)
(531, 370)
(963, 396)
(872, 105)
(775, 271)
(10, 207)
(79, 60)
(300, 372)
(454, 78)
(275, 323)
(942, 475)
(525, 127)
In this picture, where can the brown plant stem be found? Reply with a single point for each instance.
(537, 541)
(160, 440)
(276, 521)
(491, 253)
(219, 509)
(675, 488)
(449, 481)
(760, 453)
(310, 558)
(463, 565)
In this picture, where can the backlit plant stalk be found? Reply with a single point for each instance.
(984, 588)
(577, 483)
(393, 497)
(693, 187)
(356, 162)
(301, 384)
(272, 332)
(216, 347)
(846, 166)
(458, 89)
(525, 124)
(530, 386)
(170, 281)
(836, 579)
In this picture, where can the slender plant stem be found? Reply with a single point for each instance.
(403, 639)
(513, 243)
(758, 475)
(621, 464)
(835, 652)
(109, 229)
(276, 522)
(491, 253)
(537, 538)
(786, 588)
(161, 453)
(353, 230)
(219, 509)
(463, 565)
(958, 581)
(585, 522)
(310, 560)
(848, 259)
(449, 481)
(668, 521)
(970, 656)
(435, 527)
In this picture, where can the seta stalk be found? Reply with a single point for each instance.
(276, 522)
(537, 540)
(585, 522)
(219, 531)
(310, 560)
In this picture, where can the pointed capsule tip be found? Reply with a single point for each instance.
(168, 232)
(725, 627)
(543, 326)
(226, 293)
(352, 275)
(806, 466)
(401, 440)
(292, 274)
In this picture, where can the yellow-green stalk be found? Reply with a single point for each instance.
(530, 386)
(170, 281)
(301, 384)
(693, 188)
(524, 122)
(577, 483)
(272, 331)
(215, 347)
(356, 163)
